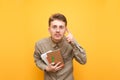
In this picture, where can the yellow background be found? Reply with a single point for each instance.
(94, 23)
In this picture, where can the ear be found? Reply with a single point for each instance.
(48, 29)
(66, 29)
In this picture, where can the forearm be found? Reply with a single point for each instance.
(79, 53)
(39, 63)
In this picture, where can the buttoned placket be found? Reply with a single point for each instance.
(56, 47)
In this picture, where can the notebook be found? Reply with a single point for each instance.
(52, 57)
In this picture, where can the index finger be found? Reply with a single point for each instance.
(57, 64)
(68, 31)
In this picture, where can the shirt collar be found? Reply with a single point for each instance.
(57, 44)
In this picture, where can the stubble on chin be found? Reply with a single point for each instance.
(56, 40)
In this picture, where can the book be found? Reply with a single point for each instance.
(52, 57)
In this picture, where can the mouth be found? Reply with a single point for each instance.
(57, 35)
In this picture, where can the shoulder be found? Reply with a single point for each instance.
(43, 45)
(43, 41)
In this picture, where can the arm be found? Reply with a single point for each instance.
(78, 51)
(38, 61)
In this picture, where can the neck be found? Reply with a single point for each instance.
(56, 41)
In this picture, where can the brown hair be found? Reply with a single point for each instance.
(58, 16)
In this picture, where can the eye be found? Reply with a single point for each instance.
(54, 26)
(61, 27)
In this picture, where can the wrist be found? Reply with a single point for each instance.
(47, 69)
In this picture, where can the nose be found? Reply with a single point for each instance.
(58, 30)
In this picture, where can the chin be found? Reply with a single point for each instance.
(58, 39)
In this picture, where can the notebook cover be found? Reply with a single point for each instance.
(55, 57)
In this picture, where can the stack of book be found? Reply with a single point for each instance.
(52, 57)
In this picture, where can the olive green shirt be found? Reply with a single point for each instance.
(68, 52)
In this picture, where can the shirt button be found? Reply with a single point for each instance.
(56, 46)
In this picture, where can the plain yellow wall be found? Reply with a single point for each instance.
(94, 23)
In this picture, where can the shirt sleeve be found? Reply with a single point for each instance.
(79, 53)
(37, 58)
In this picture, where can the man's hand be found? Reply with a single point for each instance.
(54, 67)
(69, 37)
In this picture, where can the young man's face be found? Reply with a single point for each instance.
(57, 30)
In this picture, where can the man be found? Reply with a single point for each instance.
(69, 49)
